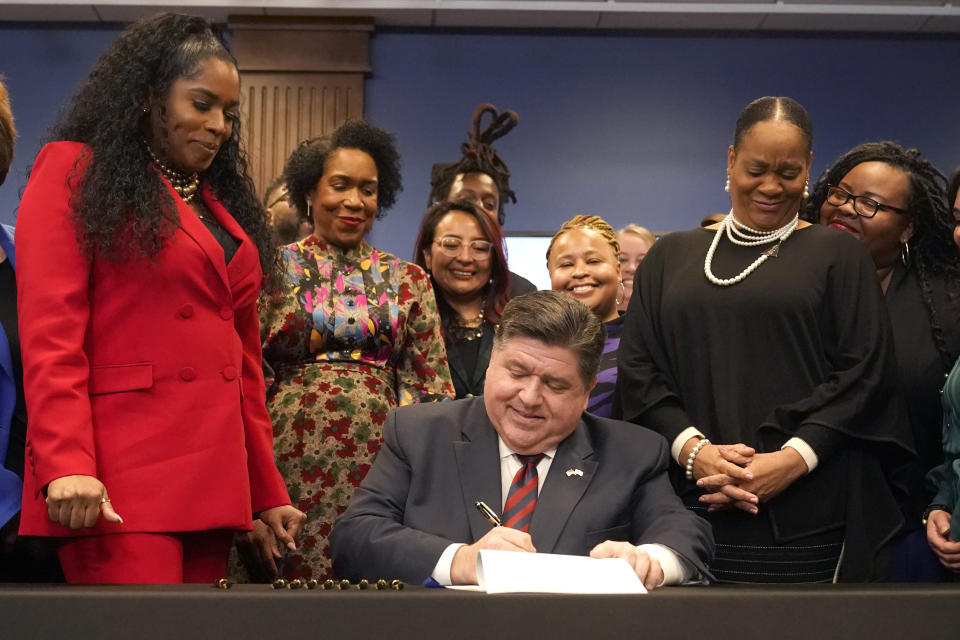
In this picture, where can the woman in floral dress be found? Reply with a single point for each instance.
(355, 334)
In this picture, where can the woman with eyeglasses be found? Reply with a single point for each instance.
(894, 202)
(760, 348)
(462, 249)
(583, 259)
(354, 334)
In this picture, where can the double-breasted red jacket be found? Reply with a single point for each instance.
(144, 373)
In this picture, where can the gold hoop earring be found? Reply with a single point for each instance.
(623, 293)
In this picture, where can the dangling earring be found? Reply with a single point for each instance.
(309, 212)
(806, 188)
(905, 254)
(726, 187)
(622, 294)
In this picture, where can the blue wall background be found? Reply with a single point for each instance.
(633, 127)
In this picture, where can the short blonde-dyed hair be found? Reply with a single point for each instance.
(594, 223)
(642, 232)
(8, 134)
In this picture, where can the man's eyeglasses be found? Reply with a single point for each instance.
(864, 207)
(452, 245)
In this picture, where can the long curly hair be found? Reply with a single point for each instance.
(498, 290)
(931, 248)
(307, 163)
(123, 210)
(478, 156)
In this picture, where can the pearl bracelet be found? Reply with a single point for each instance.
(693, 456)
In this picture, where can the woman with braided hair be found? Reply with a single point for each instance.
(583, 259)
(480, 175)
(893, 201)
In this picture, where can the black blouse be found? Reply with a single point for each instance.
(800, 347)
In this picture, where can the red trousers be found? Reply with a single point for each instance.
(146, 558)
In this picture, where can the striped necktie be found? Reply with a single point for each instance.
(522, 497)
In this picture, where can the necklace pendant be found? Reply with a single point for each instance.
(773, 251)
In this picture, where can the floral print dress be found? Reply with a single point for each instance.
(355, 333)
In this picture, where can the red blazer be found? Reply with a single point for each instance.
(146, 373)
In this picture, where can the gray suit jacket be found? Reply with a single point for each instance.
(439, 459)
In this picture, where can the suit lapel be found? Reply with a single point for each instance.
(243, 272)
(478, 463)
(193, 227)
(561, 492)
(483, 357)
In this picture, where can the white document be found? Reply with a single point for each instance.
(518, 572)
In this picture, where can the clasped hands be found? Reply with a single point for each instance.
(736, 476)
(463, 570)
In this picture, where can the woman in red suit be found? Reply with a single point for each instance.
(141, 251)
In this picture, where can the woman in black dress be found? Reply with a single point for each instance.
(462, 250)
(894, 202)
(761, 350)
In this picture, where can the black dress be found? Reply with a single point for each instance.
(800, 347)
(922, 370)
(921, 367)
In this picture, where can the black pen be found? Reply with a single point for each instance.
(488, 513)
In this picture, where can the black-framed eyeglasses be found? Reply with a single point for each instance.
(864, 207)
(452, 245)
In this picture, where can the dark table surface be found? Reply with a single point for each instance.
(258, 611)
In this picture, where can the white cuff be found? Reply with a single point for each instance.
(806, 452)
(673, 569)
(680, 440)
(441, 571)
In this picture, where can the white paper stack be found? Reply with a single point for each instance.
(516, 572)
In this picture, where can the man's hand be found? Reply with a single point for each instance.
(463, 569)
(938, 535)
(286, 522)
(78, 501)
(644, 565)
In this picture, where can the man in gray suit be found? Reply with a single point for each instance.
(600, 486)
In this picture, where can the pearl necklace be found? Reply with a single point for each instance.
(186, 185)
(744, 236)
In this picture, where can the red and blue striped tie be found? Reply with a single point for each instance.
(522, 497)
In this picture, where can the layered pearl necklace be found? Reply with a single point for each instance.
(744, 236)
(186, 185)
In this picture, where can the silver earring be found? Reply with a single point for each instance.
(726, 187)
(806, 188)
(623, 293)
(309, 212)
(905, 254)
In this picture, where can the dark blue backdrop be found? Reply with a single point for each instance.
(633, 127)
